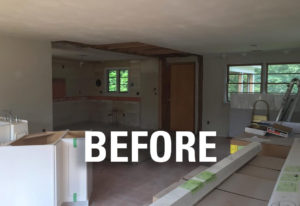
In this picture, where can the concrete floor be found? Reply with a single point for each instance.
(134, 184)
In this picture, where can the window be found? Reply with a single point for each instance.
(244, 79)
(112, 80)
(117, 80)
(280, 75)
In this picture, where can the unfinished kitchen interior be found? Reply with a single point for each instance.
(69, 66)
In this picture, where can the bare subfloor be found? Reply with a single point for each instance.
(134, 184)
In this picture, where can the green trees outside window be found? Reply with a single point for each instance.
(248, 78)
(280, 75)
(244, 79)
(118, 80)
(112, 81)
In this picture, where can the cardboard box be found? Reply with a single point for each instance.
(279, 130)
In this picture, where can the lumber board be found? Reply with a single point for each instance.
(196, 188)
(194, 172)
(287, 188)
(167, 189)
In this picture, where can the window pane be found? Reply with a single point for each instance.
(244, 79)
(282, 78)
(123, 80)
(247, 88)
(257, 88)
(112, 73)
(112, 80)
(281, 75)
(233, 88)
(123, 73)
(123, 88)
(112, 88)
(249, 69)
(280, 88)
(284, 68)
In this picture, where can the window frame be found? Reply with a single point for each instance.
(267, 75)
(261, 82)
(118, 69)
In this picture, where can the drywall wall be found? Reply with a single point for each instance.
(25, 80)
(215, 111)
(149, 94)
(87, 102)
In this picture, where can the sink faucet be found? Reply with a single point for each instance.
(9, 116)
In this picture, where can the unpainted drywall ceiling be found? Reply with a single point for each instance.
(195, 26)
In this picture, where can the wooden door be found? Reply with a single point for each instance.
(182, 97)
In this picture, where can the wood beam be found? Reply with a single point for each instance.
(134, 48)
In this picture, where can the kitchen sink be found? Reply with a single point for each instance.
(12, 131)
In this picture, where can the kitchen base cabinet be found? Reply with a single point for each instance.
(46, 169)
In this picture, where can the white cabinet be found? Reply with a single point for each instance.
(27, 175)
(77, 179)
(45, 170)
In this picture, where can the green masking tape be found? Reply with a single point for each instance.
(192, 185)
(74, 197)
(206, 176)
(287, 187)
(290, 177)
(292, 169)
(75, 142)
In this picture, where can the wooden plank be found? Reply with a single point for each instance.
(259, 172)
(181, 181)
(194, 172)
(287, 189)
(222, 198)
(267, 162)
(40, 138)
(160, 51)
(126, 47)
(220, 171)
(249, 186)
(167, 189)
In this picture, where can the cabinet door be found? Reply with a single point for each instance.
(27, 176)
(75, 170)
